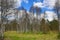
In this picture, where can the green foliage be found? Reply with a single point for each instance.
(34, 27)
(58, 35)
(54, 25)
(44, 27)
(11, 26)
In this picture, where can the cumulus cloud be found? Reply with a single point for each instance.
(26, 1)
(38, 4)
(49, 3)
(11, 17)
(42, 15)
(17, 3)
(50, 15)
(46, 3)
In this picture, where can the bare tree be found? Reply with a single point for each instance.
(57, 6)
(5, 5)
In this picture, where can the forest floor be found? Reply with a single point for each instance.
(13, 35)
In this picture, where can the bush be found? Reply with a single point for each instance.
(58, 35)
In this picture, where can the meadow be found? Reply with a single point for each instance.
(13, 35)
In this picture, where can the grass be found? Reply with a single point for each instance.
(13, 35)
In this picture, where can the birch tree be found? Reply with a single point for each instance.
(5, 5)
(57, 6)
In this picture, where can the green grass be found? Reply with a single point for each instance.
(12, 35)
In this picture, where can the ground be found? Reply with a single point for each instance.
(13, 35)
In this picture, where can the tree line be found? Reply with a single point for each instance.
(25, 25)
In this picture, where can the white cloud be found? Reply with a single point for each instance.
(50, 15)
(38, 4)
(35, 15)
(49, 3)
(42, 15)
(11, 17)
(46, 3)
(17, 3)
(26, 1)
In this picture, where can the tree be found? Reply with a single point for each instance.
(54, 25)
(44, 27)
(57, 6)
(27, 22)
(5, 6)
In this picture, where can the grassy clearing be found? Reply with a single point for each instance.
(12, 35)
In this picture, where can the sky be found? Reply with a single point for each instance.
(45, 5)
(26, 3)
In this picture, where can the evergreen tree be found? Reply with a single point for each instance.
(44, 27)
(54, 25)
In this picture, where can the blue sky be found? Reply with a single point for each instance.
(28, 3)
(45, 6)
